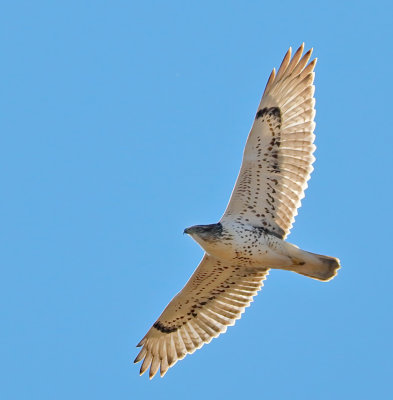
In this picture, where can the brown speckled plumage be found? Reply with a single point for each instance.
(249, 238)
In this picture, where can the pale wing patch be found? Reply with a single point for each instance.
(278, 156)
(214, 297)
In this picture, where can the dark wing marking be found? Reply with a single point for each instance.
(278, 156)
(214, 297)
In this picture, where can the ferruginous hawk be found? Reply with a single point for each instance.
(250, 237)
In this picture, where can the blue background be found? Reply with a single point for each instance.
(124, 122)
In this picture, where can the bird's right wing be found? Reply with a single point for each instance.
(214, 297)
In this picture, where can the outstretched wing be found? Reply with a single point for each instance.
(278, 156)
(214, 297)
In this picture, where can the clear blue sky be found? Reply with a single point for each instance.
(124, 122)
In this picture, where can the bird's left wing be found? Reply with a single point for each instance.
(214, 297)
(278, 157)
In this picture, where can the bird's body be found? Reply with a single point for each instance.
(250, 237)
(255, 247)
(246, 245)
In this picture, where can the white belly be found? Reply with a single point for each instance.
(244, 245)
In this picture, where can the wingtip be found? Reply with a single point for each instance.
(309, 52)
(284, 64)
(270, 80)
(137, 360)
(162, 373)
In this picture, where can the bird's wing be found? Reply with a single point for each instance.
(214, 297)
(278, 156)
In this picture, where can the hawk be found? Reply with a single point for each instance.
(250, 237)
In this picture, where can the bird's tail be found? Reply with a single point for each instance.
(316, 266)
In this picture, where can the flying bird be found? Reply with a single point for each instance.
(250, 237)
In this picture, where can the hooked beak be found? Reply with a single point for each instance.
(187, 230)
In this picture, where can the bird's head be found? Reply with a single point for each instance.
(206, 233)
